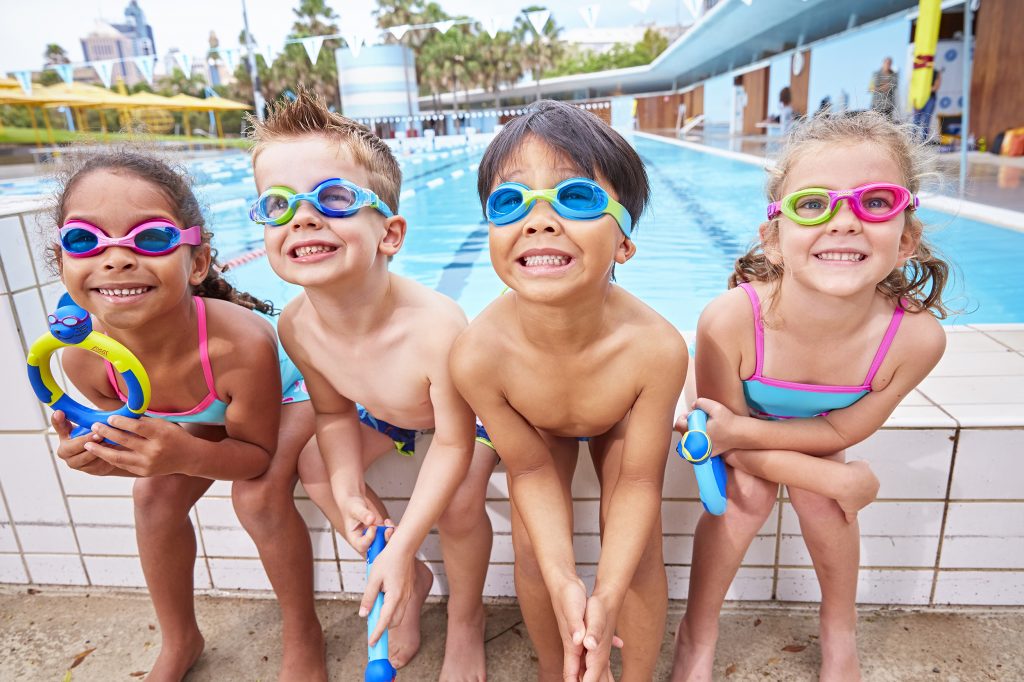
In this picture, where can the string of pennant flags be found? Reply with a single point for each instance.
(469, 114)
(354, 40)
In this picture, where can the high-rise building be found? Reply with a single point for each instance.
(121, 41)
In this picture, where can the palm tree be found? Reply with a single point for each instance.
(292, 67)
(545, 50)
(55, 54)
(500, 60)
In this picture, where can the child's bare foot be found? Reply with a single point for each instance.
(464, 650)
(176, 659)
(302, 656)
(860, 490)
(404, 638)
(839, 662)
(693, 662)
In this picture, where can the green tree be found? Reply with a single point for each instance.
(541, 51)
(500, 62)
(292, 67)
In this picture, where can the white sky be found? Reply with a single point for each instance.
(186, 24)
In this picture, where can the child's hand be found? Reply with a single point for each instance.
(393, 573)
(600, 622)
(721, 424)
(360, 521)
(148, 446)
(569, 601)
(72, 450)
(860, 490)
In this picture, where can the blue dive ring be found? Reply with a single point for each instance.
(695, 447)
(71, 326)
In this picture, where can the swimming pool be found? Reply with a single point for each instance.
(704, 211)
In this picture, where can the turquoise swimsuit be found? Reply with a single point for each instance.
(777, 399)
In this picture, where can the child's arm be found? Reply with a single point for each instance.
(251, 382)
(718, 368)
(339, 442)
(534, 486)
(839, 429)
(635, 502)
(444, 467)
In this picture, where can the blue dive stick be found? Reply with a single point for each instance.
(695, 447)
(379, 668)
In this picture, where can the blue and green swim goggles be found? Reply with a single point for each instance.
(334, 198)
(575, 199)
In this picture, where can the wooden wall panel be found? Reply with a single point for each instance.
(698, 100)
(997, 79)
(755, 83)
(798, 84)
(657, 112)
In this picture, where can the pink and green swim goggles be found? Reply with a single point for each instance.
(334, 198)
(875, 202)
(575, 199)
(154, 237)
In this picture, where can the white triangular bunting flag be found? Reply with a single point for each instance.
(145, 64)
(444, 26)
(229, 58)
(184, 62)
(24, 79)
(642, 5)
(313, 45)
(399, 31)
(538, 18)
(66, 72)
(490, 25)
(105, 70)
(269, 54)
(589, 14)
(355, 43)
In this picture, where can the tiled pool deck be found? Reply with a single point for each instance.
(948, 527)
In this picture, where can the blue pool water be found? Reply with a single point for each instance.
(704, 211)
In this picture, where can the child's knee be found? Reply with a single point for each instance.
(257, 497)
(754, 498)
(811, 506)
(464, 514)
(156, 501)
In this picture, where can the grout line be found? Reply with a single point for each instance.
(945, 517)
(778, 544)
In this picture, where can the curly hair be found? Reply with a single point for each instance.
(921, 280)
(176, 184)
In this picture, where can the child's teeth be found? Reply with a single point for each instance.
(124, 292)
(531, 261)
(307, 250)
(841, 255)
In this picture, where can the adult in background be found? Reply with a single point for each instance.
(883, 89)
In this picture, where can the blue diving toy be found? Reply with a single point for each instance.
(71, 325)
(379, 668)
(695, 447)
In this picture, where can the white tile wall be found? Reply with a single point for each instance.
(19, 407)
(15, 254)
(56, 569)
(12, 569)
(910, 463)
(989, 465)
(996, 588)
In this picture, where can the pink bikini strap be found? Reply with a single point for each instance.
(758, 328)
(204, 356)
(890, 334)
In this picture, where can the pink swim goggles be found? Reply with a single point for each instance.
(875, 202)
(156, 237)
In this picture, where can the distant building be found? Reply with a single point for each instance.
(603, 39)
(121, 41)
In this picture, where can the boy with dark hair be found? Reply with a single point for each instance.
(373, 348)
(566, 355)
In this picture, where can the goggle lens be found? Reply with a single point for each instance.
(879, 202)
(157, 239)
(336, 198)
(580, 196)
(273, 205)
(505, 201)
(78, 240)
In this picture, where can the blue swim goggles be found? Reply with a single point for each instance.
(575, 199)
(334, 198)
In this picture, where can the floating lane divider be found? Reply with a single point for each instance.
(71, 326)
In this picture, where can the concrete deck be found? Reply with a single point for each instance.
(43, 630)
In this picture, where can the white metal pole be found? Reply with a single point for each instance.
(257, 96)
(965, 117)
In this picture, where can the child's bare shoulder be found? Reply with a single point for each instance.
(659, 338)
(237, 334)
(479, 348)
(430, 310)
(728, 315)
(920, 339)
